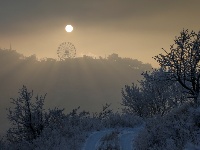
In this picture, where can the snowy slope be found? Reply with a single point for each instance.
(126, 137)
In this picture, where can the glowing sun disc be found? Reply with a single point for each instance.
(69, 28)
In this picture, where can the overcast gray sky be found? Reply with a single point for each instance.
(130, 28)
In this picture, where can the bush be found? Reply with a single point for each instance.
(59, 130)
(172, 131)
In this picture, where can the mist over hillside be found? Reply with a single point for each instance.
(85, 81)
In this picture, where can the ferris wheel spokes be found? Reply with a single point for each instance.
(66, 50)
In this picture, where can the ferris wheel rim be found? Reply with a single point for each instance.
(66, 50)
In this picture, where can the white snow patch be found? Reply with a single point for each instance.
(92, 143)
(126, 138)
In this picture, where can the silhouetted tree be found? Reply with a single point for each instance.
(31, 58)
(113, 57)
(9, 56)
(182, 63)
(27, 117)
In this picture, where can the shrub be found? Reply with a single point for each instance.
(172, 131)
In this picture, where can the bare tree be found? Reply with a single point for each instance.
(183, 62)
(27, 117)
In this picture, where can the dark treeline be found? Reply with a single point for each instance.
(83, 81)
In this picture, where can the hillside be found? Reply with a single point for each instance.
(83, 81)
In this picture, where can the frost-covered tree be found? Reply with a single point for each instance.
(183, 62)
(132, 99)
(27, 117)
(156, 95)
(160, 93)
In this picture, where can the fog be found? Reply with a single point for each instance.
(83, 81)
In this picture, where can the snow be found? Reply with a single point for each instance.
(93, 140)
(126, 137)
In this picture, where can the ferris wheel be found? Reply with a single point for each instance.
(66, 50)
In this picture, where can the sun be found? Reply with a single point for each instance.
(69, 28)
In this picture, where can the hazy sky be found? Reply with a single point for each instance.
(130, 28)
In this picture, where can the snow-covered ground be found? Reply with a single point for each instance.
(126, 137)
(93, 140)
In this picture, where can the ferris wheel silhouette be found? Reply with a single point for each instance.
(66, 50)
